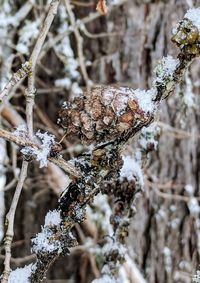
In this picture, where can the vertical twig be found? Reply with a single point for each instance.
(2, 184)
(79, 41)
(10, 222)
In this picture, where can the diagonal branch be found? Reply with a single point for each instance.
(26, 68)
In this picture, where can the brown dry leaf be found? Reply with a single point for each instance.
(102, 7)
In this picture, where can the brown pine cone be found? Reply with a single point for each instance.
(104, 113)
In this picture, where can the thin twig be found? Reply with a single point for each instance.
(26, 70)
(59, 161)
(79, 41)
(10, 222)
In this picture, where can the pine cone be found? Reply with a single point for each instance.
(104, 113)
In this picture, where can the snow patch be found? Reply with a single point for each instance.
(42, 153)
(52, 218)
(145, 99)
(21, 275)
(165, 69)
(194, 16)
(131, 170)
(43, 242)
(193, 207)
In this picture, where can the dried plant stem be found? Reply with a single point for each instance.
(58, 178)
(59, 161)
(10, 222)
(36, 51)
(30, 98)
(79, 41)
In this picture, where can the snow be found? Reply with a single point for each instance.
(193, 207)
(64, 83)
(21, 275)
(196, 277)
(194, 16)
(131, 170)
(27, 34)
(105, 279)
(76, 90)
(145, 99)
(123, 276)
(119, 97)
(165, 69)
(112, 245)
(189, 189)
(167, 259)
(41, 154)
(42, 242)
(52, 218)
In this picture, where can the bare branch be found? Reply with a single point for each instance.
(26, 69)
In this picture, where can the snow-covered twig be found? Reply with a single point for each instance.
(36, 148)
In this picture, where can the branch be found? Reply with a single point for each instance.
(79, 41)
(10, 222)
(26, 68)
(24, 142)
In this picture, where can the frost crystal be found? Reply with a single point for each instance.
(21, 275)
(194, 16)
(52, 218)
(41, 154)
(131, 170)
(42, 242)
(145, 99)
(196, 277)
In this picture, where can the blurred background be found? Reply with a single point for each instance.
(122, 47)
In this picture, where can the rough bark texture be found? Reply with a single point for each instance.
(165, 234)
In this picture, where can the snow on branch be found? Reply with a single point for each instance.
(42, 153)
(44, 242)
(21, 275)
